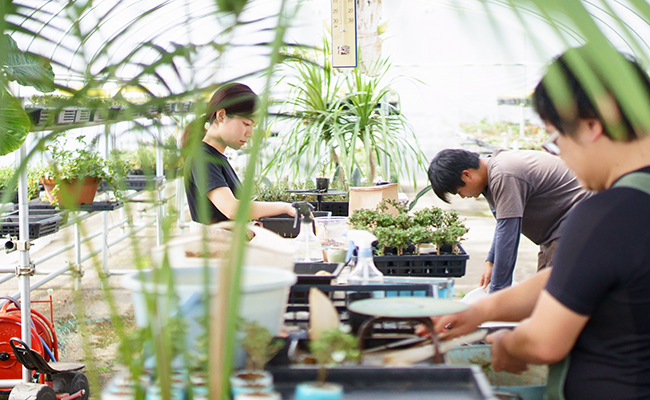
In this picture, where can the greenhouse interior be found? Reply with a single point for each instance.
(311, 199)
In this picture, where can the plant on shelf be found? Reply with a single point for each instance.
(333, 347)
(9, 184)
(72, 176)
(260, 347)
(430, 225)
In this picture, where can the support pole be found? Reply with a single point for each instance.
(24, 269)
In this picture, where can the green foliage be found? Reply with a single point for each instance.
(9, 181)
(334, 115)
(506, 134)
(429, 225)
(258, 344)
(82, 162)
(333, 347)
(278, 191)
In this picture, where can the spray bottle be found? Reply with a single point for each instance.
(364, 271)
(307, 247)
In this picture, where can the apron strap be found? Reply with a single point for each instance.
(635, 180)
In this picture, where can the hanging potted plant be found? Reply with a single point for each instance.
(260, 347)
(72, 177)
(333, 347)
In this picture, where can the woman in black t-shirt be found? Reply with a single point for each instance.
(228, 122)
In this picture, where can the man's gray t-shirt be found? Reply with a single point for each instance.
(535, 186)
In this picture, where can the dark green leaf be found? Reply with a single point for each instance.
(26, 68)
(14, 123)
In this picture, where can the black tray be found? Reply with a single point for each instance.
(428, 265)
(306, 272)
(372, 383)
(96, 206)
(338, 208)
(41, 223)
(283, 224)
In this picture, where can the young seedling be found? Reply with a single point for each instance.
(333, 347)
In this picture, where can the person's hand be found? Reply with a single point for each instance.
(462, 323)
(486, 276)
(501, 359)
(289, 209)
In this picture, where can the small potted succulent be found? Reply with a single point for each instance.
(72, 177)
(333, 347)
(260, 347)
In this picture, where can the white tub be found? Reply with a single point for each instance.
(264, 295)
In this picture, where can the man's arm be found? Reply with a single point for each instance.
(544, 338)
(505, 243)
(512, 304)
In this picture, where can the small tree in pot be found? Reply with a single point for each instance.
(260, 347)
(333, 347)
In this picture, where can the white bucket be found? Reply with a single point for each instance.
(264, 296)
(266, 249)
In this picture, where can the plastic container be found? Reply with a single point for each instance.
(264, 249)
(425, 265)
(264, 295)
(331, 231)
(283, 224)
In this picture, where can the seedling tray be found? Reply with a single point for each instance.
(142, 182)
(41, 223)
(371, 383)
(96, 206)
(306, 272)
(283, 224)
(338, 208)
(425, 265)
(341, 295)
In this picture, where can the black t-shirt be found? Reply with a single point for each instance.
(218, 173)
(602, 270)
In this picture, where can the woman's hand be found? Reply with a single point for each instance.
(501, 359)
(291, 210)
(486, 276)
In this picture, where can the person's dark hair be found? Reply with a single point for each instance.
(566, 119)
(446, 170)
(236, 98)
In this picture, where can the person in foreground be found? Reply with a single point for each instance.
(530, 192)
(229, 119)
(592, 309)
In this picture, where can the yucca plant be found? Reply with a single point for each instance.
(334, 114)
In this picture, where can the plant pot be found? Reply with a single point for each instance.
(322, 184)
(259, 396)
(316, 391)
(244, 381)
(72, 193)
(264, 296)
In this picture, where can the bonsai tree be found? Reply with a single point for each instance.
(258, 344)
(334, 346)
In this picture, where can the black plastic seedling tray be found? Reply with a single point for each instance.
(283, 224)
(424, 265)
(409, 383)
(41, 223)
(306, 272)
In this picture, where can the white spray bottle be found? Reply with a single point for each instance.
(364, 271)
(307, 247)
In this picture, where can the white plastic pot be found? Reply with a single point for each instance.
(264, 296)
(265, 249)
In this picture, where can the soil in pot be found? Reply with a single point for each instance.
(251, 381)
(72, 193)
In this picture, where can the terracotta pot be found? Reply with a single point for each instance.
(72, 193)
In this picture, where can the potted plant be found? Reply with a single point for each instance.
(260, 347)
(396, 233)
(72, 177)
(333, 347)
(322, 183)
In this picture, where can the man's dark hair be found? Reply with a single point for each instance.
(566, 119)
(446, 170)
